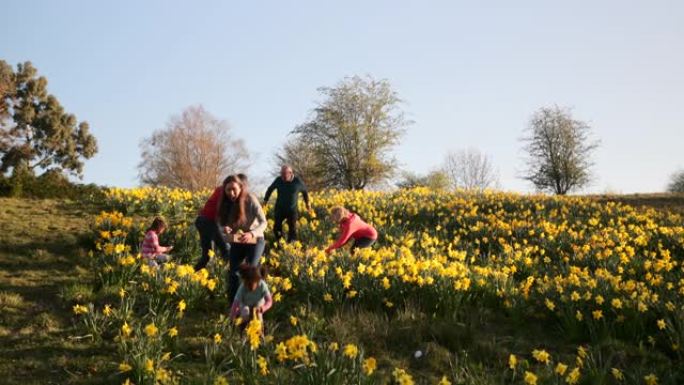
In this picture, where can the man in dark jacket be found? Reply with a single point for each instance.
(288, 187)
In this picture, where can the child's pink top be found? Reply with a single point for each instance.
(150, 245)
(353, 227)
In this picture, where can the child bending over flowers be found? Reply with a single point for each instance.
(150, 248)
(252, 295)
(351, 226)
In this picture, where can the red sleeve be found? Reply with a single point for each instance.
(345, 233)
(210, 209)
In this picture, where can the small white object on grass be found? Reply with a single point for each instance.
(418, 354)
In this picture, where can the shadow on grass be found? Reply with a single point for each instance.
(54, 362)
(42, 244)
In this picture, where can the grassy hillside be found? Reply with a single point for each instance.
(660, 201)
(42, 264)
(45, 270)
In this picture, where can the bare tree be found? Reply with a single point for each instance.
(353, 131)
(194, 151)
(470, 169)
(559, 151)
(676, 182)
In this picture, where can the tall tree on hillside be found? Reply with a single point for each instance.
(6, 84)
(676, 182)
(35, 131)
(470, 170)
(352, 132)
(194, 151)
(559, 151)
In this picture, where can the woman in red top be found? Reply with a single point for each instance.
(207, 225)
(351, 226)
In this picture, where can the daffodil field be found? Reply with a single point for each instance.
(569, 291)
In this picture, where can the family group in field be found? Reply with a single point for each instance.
(233, 221)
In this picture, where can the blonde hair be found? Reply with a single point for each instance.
(338, 213)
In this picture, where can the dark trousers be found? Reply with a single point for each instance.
(362, 243)
(291, 218)
(239, 253)
(209, 232)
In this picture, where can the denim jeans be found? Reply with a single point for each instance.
(362, 243)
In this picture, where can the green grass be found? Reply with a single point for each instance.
(44, 271)
(42, 254)
(673, 202)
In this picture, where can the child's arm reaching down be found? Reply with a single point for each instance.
(268, 302)
(235, 309)
(154, 244)
(345, 234)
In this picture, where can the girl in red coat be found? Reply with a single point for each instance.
(351, 227)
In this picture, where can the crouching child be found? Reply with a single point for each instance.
(150, 249)
(253, 296)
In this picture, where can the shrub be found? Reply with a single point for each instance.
(51, 184)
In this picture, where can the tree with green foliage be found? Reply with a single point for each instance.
(6, 84)
(35, 131)
(437, 180)
(352, 132)
(676, 182)
(559, 151)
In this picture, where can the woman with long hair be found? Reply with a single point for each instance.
(243, 221)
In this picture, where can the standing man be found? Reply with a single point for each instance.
(288, 186)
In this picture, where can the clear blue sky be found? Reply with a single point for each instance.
(471, 73)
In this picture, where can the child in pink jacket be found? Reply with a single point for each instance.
(150, 249)
(351, 227)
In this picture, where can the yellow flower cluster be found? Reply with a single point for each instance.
(178, 276)
(296, 348)
(176, 203)
(112, 220)
(402, 377)
(253, 331)
(80, 309)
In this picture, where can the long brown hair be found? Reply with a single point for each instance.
(157, 225)
(252, 274)
(233, 213)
